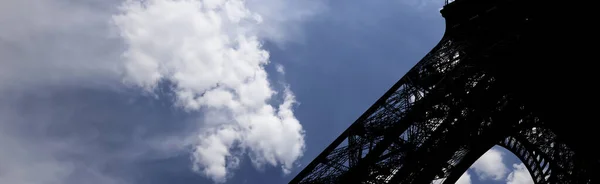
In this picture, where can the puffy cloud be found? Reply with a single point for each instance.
(490, 165)
(211, 52)
(520, 175)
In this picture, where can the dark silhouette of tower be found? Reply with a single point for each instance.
(513, 73)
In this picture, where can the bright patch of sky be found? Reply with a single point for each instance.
(493, 167)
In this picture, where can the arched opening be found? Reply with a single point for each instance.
(541, 158)
(498, 165)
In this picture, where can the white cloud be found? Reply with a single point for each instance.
(212, 52)
(490, 165)
(520, 175)
(464, 179)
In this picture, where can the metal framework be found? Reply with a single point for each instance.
(460, 100)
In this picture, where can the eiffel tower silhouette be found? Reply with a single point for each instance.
(512, 73)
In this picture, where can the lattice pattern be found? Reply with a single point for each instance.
(445, 113)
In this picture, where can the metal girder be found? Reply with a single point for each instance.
(391, 112)
(451, 107)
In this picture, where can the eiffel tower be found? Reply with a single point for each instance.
(505, 73)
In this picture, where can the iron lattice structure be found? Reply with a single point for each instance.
(484, 84)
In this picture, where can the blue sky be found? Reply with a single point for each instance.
(226, 91)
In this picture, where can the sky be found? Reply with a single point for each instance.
(200, 91)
